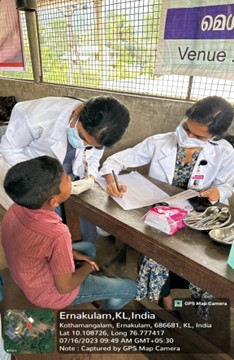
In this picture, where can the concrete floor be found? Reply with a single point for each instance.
(105, 248)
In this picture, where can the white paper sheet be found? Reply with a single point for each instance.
(182, 205)
(140, 191)
(184, 195)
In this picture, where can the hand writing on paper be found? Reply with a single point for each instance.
(113, 191)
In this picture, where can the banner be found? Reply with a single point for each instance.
(196, 38)
(11, 49)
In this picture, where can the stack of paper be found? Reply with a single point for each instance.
(140, 191)
(167, 219)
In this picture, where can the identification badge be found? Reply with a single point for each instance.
(198, 177)
(86, 168)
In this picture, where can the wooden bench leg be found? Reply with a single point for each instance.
(73, 221)
(120, 254)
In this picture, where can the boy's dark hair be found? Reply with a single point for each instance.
(32, 182)
(213, 111)
(105, 118)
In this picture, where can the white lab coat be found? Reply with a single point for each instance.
(160, 152)
(36, 128)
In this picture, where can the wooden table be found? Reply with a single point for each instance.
(189, 253)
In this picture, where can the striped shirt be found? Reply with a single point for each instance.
(37, 246)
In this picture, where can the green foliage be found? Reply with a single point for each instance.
(38, 340)
(152, 22)
(134, 49)
(89, 78)
(45, 315)
(55, 71)
(54, 37)
(118, 29)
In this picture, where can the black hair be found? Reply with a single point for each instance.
(229, 138)
(213, 111)
(32, 182)
(105, 118)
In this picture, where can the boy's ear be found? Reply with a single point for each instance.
(53, 202)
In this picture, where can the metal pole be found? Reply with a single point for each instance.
(30, 6)
(103, 66)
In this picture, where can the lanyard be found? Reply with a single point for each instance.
(86, 163)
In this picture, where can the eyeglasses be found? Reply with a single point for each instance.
(188, 131)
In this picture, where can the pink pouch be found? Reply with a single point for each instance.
(166, 218)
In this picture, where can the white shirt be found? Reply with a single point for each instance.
(159, 151)
(38, 127)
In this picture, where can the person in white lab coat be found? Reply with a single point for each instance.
(71, 130)
(174, 158)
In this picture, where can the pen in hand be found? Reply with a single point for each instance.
(116, 181)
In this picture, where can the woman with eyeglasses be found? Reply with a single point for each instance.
(175, 157)
(71, 130)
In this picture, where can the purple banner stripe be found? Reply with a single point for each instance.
(206, 22)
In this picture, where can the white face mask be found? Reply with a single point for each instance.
(185, 141)
(74, 138)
